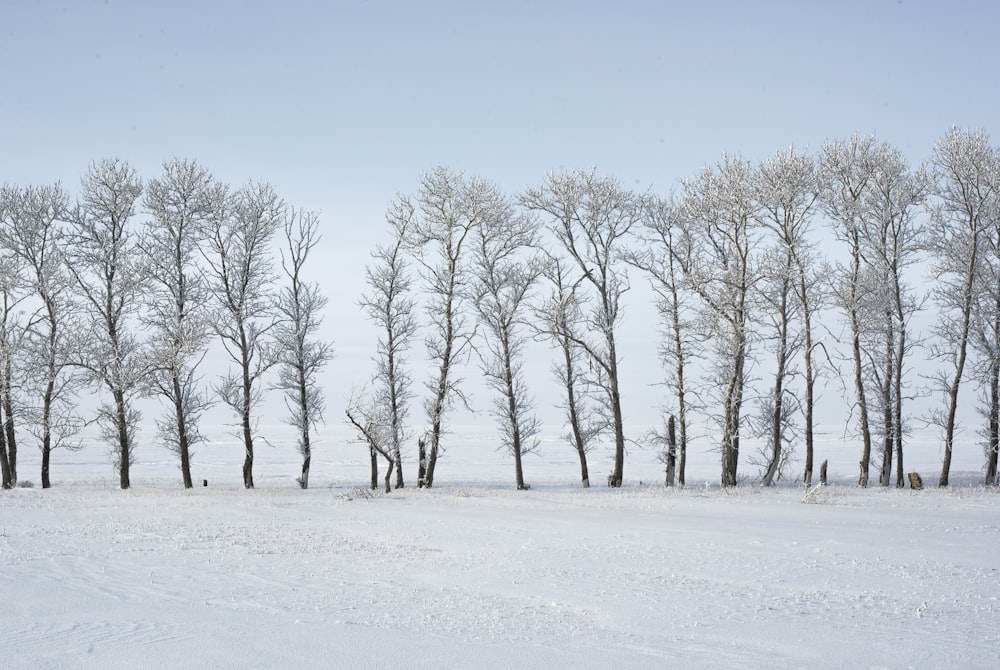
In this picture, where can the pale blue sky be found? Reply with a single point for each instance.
(342, 104)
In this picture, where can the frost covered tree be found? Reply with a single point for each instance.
(985, 339)
(894, 242)
(846, 170)
(591, 217)
(665, 253)
(33, 232)
(181, 202)
(787, 194)
(871, 195)
(509, 266)
(447, 210)
(721, 205)
(241, 271)
(13, 333)
(560, 317)
(964, 169)
(390, 307)
(368, 413)
(106, 264)
(301, 354)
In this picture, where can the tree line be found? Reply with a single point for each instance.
(744, 286)
(92, 299)
(757, 306)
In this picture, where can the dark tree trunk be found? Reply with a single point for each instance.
(889, 432)
(822, 474)
(388, 474)
(46, 456)
(518, 471)
(574, 415)
(183, 448)
(616, 413)
(374, 465)
(399, 469)
(859, 385)
(304, 477)
(124, 446)
(9, 434)
(897, 422)
(809, 374)
(4, 464)
(994, 426)
(777, 415)
(671, 452)
(421, 462)
(47, 432)
(731, 428)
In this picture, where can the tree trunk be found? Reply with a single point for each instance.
(248, 457)
(304, 477)
(432, 456)
(518, 471)
(124, 446)
(574, 416)
(421, 462)
(898, 405)
(889, 432)
(183, 448)
(671, 452)
(398, 457)
(994, 426)
(10, 435)
(374, 465)
(4, 464)
(777, 415)
(810, 381)
(949, 429)
(859, 384)
(616, 413)
(731, 420)
(388, 474)
(47, 430)
(46, 454)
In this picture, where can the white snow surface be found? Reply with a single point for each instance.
(473, 574)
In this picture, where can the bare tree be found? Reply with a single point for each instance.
(33, 232)
(105, 262)
(985, 337)
(241, 272)
(14, 291)
(448, 210)
(721, 202)
(301, 356)
(964, 169)
(560, 317)
(665, 254)
(181, 203)
(369, 414)
(871, 194)
(591, 217)
(500, 292)
(846, 169)
(894, 241)
(787, 192)
(390, 307)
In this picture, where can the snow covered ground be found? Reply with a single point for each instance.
(473, 574)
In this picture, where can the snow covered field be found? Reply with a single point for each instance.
(475, 574)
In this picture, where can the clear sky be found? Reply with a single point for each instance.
(342, 104)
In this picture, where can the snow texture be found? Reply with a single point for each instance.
(475, 574)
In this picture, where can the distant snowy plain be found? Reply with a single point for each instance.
(473, 574)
